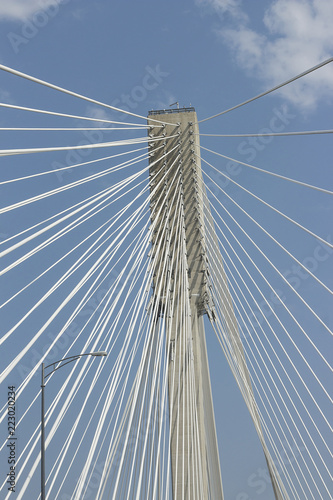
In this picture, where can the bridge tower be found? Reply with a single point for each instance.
(184, 297)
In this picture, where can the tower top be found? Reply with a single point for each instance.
(169, 111)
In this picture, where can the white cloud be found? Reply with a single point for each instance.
(296, 35)
(100, 114)
(21, 10)
(5, 96)
(223, 7)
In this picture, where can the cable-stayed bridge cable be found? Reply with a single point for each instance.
(270, 134)
(314, 68)
(69, 92)
(274, 174)
(273, 208)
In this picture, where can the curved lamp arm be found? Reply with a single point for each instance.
(69, 359)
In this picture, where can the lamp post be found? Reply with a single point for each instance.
(60, 364)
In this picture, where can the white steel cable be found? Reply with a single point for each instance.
(66, 230)
(284, 279)
(166, 291)
(71, 167)
(11, 152)
(137, 140)
(262, 420)
(64, 302)
(162, 239)
(217, 301)
(105, 196)
(292, 435)
(77, 310)
(68, 129)
(19, 389)
(133, 267)
(270, 134)
(75, 183)
(114, 443)
(263, 332)
(131, 418)
(127, 407)
(64, 211)
(70, 185)
(273, 208)
(71, 226)
(66, 115)
(177, 293)
(181, 312)
(327, 61)
(73, 317)
(101, 398)
(153, 383)
(284, 305)
(277, 357)
(285, 352)
(270, 374)
(268, 172)
(286, 331)
(69, 92)
(272, 237)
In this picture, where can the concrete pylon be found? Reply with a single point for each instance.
(182, 290)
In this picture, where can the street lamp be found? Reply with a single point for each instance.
(60, 364)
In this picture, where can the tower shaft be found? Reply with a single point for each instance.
(182, 289)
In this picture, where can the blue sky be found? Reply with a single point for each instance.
(211, 54)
